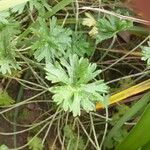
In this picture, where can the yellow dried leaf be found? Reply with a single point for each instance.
(141, 87)
(93, 32)
(89, 21)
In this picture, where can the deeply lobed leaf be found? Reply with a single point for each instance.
(51, 42)
(110, 26)
(75, 89)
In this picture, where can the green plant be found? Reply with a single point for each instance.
(52, 42)
(140, 130)
(40, 5)
(15, 6)
(72, 139)
(35, 144)
(80, 45)
(146, 53)
(3, 17)
(8, 47)
(5, 99)
(138, 106)
(106, 27)
(109, 26)
(75, 89)
(19, 6)
(38, 34)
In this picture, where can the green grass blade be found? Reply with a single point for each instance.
(59, 7)
(139, 135)
(131, 112)
(146, 146)
(6, 4)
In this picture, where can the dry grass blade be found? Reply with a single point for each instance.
(141, 87)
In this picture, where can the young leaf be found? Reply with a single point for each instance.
(73, 90)
(90, 21)
(51, 42)
(110, 26)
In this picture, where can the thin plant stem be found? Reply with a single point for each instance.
(106, 128)
(94, 132)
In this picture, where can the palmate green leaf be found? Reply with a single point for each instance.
(7, 64)
(146, 53)
(73, 91)
(110, 26)
(51, 42)
(7, 47)
(98, 86)
(62, 95)
(75, 105)
(80, 70)
(56, 73)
